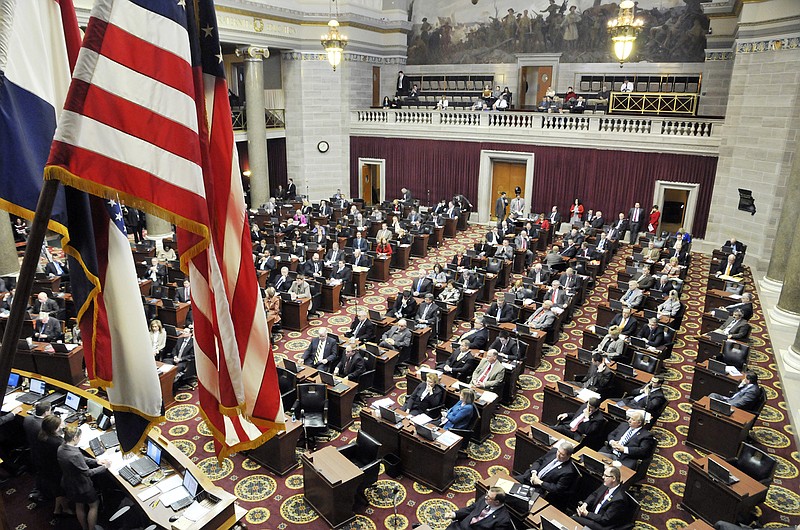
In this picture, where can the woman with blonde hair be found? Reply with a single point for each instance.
(426, 397)
(158, 338)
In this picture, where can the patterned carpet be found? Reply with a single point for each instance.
(277, 502)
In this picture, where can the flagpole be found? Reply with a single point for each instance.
(16, 318)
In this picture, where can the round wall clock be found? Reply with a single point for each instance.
(323, 146)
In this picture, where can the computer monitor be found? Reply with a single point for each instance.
(720, 407)
(291, 366)
(565, 388)
(593, 465)
(720, 472)
(716, 366)
(541, 436)
(625, 369)
(38, 386)
(426, 432)
(154, 452)
(191, 484)
(389, 415)
(547, 524)
(327, 378)
(617, 412)
(72, 401)
(94, 409)
(584, 355)
(13, 380)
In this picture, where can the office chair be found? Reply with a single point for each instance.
(367, 379)
(755, 463)
(312, 409)
(469, 433)
(634, 514)
(734, 354)
(287, 382)
(364, 454)
(646, 363)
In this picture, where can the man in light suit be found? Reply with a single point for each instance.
(397, 338)
(630, 442)
(384, 233)
(736, 327)
(612, 345)
(635, 216)
(608, 507)
(633, 297)
(554, 472)
(489, 373)
(543, 318)
(747, 396)
(322, 352)
(489, 513)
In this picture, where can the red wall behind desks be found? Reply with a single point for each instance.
(611, 181)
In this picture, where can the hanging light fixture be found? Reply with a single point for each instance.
(624, 30)
(334, 42)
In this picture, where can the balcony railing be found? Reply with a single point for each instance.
(273, 118)
(650, 133)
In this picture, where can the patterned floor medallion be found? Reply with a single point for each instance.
(255, 488)
(213, 469)
(182, 412)
(432, 512)
(296, 510)
(465, 479)
(381, 494)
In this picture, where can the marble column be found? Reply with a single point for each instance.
(157, 228)
(787, 312)
(787, 224)
(9, 261)
(256, 129)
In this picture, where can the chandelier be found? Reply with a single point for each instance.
(334, 42)
(624, 30)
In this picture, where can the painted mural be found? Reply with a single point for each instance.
(493, 31)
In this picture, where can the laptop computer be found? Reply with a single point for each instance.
(717, 336)
(721, 313)
(372, 348)
(584, 355)
(22, 345)
(426, 432)
(720, 407)
(291, 366)
(168, 303)
(632, 270)
(522, 328)
(390, 415)
(520, 496)
(71, 405)
(566, 388)
(593, 465)
(60, 347)
(37, 390)
(616, 305)
(93, 409)
(328, 378)
(549, 524)
(721, 473)
(638, 342)
(374, 315)
(542, 436)
(186, 493)
(148, 464)
(286, 297)
(718, 367)
(617, 412)
(487, 320)
(600, 330)
(13, 382)
(625, 369)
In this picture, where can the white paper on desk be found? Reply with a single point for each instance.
(10, 403)
(508, 366)
(148, 493)
(164, 368)
(170, 483)
(458, 384)
(487, 397)
(116, 460)
(448, 438)
(421, 419)
(735, 296)
(504, 484)
(585, 394)
(87, 433)
(195, 511)
(385, 402)
(731, 370)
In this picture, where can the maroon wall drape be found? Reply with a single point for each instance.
(276, 161)
(611, 181)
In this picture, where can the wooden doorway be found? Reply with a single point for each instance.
(506, 176)
(372, 180)
(533, 84)
(673, 210)
(376, 86)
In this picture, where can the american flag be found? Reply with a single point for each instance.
(147, 118)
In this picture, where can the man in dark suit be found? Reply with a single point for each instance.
(745, 305)
(650, 397)
(630, 442)
(737, 247)
(588, 420)
(283, 282)
(501, 206)
(403, 85)
(461, 363)
(48, 329)
(554, 473)
(478, 336)
(313, 266)
(359, 243)
(404, 306)
(569, 280)
(362, 328)
(501, 311)
(428, 314)
(730, 267)
(489, 513)
(352, 364)
(539, 274)
(571, 251)
(421, 285)
(608, 507)
(333, 255)
(344, 275)
(184, 294)
(626, 321)
(746, 396)
(183, 357)
(506, 346)
(652, 333)
(322, 352)
(291, 190)
(266, 262)
(620, 225)
(599, 376)
(635, 215)
(645, 280)
(557, 295)
(44, 304)
(736, 327)
(555, 217)
(428, 395)
(56, 268)
(470, 280)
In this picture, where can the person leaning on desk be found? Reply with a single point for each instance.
(76, 479)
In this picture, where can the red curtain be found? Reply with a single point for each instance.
(611, 181)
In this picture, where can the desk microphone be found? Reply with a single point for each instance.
(395, 491)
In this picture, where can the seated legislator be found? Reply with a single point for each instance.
(651, 253)
(554, 473)
(539, 274)
(625, 321)
(428, 314)
(313, 267)
(608, 507)
(737, 247)
(543, 318)
(359, 243)
(612, 345)
(488, 513)
(553, 257)
(557, 295)
(633, 297)
(736, 327)
(649, 397)
(362, 329)
(747, 396)
(450, 294)
(460, 415)
(282, 282)
(478, 336)
(745, 304)
(729, 267)
(427, 396)
(506, 347)
(461, 363)
(489, 373)
(599, 376)
(383, 248)
(360, 260)
(469, 280)
(671, 306)
(334, 255)
(501, 311)
(405, 306)
(397, 337)
(48, 329)
(43, 304)
(630, 442)
(351, 365)
(587, 421)
(652, 333)
(644, 279)
(421, 285)
(183, 357)
(322, 352)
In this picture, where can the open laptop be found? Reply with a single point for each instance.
(566, 388)
(373, 349)
(721, 473)
(60, 347)
(593, 465)
(71, 405)
(93, 409)
(721, 313)
(291, 366)
(426, 432)
(186, 493)
(720, 407)
(37, 391)
(616, 305)
(390, 415)
(148, 464)
(22, 345)
(542, 436)
(168, 303)
(374, 315)
(601, 331)
(549, 524)
(718, 367)
(717, 336)
(584, 355)
(328, 378)
(638, 342)
(617, 412)
(625, 369)
(13, 382)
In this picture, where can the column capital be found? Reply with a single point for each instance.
(252, 53)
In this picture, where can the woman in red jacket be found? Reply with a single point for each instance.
(655, 215)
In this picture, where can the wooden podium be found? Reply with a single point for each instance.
(331, 297)
(278, 453)
(718, 433)
(380, 270)
(175, 316)
(64, 367)
(294, 314)
(330, 484)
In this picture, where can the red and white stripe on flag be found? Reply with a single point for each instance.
(144, 121)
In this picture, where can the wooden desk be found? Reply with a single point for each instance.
(419, 245)
(718, 433)
(380, 269)
(486, 293)
(340, 405)
(278, 453)
(510, 375)
(64, 367)
(541, 508)
(357, 287)
(437, 237)
(385, 363)
(388, 434)
(330, 298)
(528, 450)
(604, 315)
(532, 354)
(450, 227)
(294, 314)
(330, 484)
(707, 348)
(712, 501)
(704, 382)
(620, 384)
(555, 403)
(463, 219)
(430, 463)
(400, 257)
(145, 287)
(710, 323)
(166, 378)
(175, 316)
(519, 261)
(467, 305)
(717, 298)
